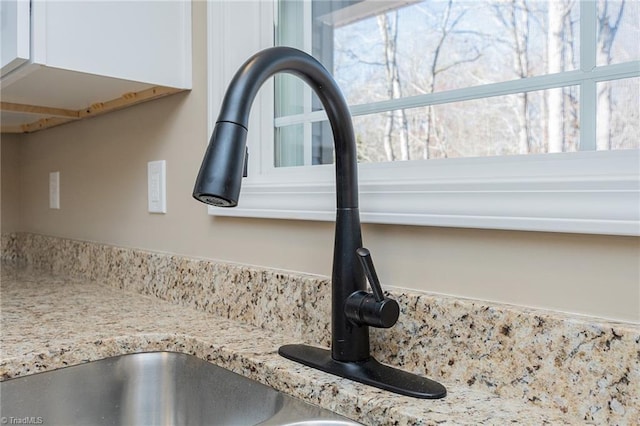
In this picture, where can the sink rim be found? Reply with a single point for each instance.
(179, 365)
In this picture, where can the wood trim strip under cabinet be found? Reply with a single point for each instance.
(36, 109)
(58, 116)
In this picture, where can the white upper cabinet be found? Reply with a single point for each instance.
(67, 60)
(15, 32)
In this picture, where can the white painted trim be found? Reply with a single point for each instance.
(588, 192)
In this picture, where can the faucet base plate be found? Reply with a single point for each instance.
(369, 372)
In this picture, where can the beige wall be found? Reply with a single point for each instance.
(10, 183)
(102, 164)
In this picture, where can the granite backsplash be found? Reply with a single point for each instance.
(581, 366)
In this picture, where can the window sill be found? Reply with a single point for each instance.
(585, 192)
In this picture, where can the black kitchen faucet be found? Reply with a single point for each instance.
(353, 309)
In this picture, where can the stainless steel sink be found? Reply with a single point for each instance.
(157, 388)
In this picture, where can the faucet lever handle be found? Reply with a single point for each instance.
(373, 310)
(370, 271)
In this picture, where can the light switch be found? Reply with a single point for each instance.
(54, 190)
(157, 182)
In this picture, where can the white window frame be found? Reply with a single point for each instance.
(596, 192)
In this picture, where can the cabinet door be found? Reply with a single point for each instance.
(15, 34)
(137, 40)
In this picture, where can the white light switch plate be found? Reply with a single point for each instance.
(157, 183)
(54, 190)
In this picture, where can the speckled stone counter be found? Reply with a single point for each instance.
(500, 363)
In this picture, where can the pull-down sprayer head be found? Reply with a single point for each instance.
(220, 175)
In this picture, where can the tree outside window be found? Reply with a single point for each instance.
(418, 65)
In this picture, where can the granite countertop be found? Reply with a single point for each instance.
(50, 322)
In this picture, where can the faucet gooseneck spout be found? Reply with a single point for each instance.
(353, 309)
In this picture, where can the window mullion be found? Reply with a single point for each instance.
(588, 34)
(588, 108)
(541, 82)
(588, 95)
(307, 107)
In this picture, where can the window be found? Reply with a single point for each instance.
(513, 114)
